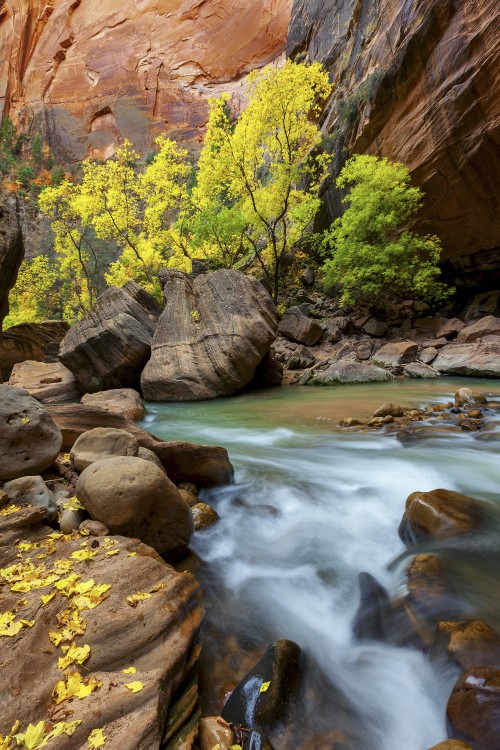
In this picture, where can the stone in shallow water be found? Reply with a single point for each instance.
(474, 707)
(439, 513)
(349, 372)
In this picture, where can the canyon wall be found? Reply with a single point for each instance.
(418, 81)
(92, 72)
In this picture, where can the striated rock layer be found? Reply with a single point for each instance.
(418, 82)
(96, 71)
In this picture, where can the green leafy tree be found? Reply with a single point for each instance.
(374, 257)
(265, 167)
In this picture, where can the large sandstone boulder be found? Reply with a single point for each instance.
(204, 465)
(48, 382)
(111, 345)
(135, 498)
(475, 360)
(157, 636)
(474, 707)
(396, 353)
(296, 326)
(350, 372)
(31, 341)
(211, 336)
(100, 443)
(124, 401)
(29, 438)
(439, 513)
(488, 326)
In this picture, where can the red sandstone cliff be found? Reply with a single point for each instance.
(93, 71)
(418, 81)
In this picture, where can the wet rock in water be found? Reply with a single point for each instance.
(100, 443)
(470, 644)
(48, 382)
(466, 397)
(95, 528)
(481, 360)
(439, 513)
(266, 696)
(30, 441)
(473, 709)
(349, 372)
(135, 498)
(420, 370)
(396, 353)
(189, 497)
(298, 327)
(369, 619)
(389, 410)
(213, 732)
(350, 422)
(124, 401)
(109, 347)
(431, 595)
(375, 328)
(203, 516)
(450, 328)
(30, 491)
(487, 326)
(211, 336)
(452, 745)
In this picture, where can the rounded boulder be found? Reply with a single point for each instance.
(135, 498)
(102, 442)
(29, 438)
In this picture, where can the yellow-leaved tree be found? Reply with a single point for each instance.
(263, 169)
(131, 208)
(34, 296)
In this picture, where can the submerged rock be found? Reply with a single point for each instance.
(30, 440)
(211, 336)
(369, 619)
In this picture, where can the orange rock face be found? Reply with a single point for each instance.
(417, 82)
(93, 72)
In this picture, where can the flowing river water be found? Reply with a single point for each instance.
(312, 506)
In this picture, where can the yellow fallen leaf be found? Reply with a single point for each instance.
(134, 600)
(46, 598)
(264, 687)
(134, 687)
(112, 552)
(129, 670)
(34, 735)
(131, 554)
(159, 586)
(96, 739)
(83, 555)
(73, 503)
(73, 655)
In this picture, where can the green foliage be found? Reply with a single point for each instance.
(253, 170)
(37, 151)
(373, 256)
(34, 297)
(25, 175)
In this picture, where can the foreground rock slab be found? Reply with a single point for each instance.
(153, 637)
(110, 346)
(204, 465)
(211, 336)
(124, 401)
(29, 438)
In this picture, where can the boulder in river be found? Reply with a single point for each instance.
(473, 709)
(470, 644)
(124, 401)
(29, 439)
(109, 347)
(439, 513)
(372, 610)
(135, 498)
(475, 360)
(349, 372)
(468, 397)
(211, 336)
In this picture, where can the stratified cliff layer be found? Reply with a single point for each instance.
(418, 81)
(97, 71)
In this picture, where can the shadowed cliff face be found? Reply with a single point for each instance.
(96, 71)
(11, 253)
(417, 81)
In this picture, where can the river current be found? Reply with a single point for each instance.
(312, 506)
